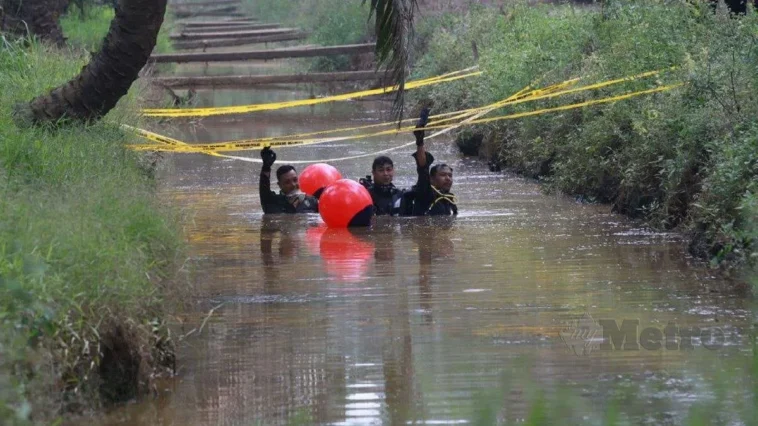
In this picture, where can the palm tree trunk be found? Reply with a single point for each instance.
(34, 17)
(111, 72)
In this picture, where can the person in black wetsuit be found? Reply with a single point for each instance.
(290, 199)
(388, 199)
(432, 191)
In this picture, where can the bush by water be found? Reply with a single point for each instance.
(86, 253)
(685, 159)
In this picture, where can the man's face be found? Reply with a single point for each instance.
(443, 180)
(288, 182)
(383, 174)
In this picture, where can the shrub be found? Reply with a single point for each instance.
(85, 248)
(684, 158)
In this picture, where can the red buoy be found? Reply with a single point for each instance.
(318, 176)
(346, 203)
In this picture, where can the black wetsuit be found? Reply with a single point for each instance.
(277, 203)
(429, 201)
(388, 199)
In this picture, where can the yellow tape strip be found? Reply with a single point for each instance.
(299, 139)
(225, 147)
(548, 92)
(456, 114)
(207, 112)
(384, 151)
(153, 136)
(372, 154)
(423, 80)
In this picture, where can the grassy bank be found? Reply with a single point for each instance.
(86, 253)
(683, 159)
(328, 23)
(87, 29)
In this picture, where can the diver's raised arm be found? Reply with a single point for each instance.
(264, 185)
(421, 159)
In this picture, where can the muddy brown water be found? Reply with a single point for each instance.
(420, 321)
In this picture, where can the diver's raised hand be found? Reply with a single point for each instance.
(268, 156)
(422, 122)
(423, 118)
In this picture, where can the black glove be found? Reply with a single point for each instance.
(268, 157)
(366, 182)
(422, 121)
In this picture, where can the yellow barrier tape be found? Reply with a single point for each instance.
(225, 147)
(423, 80)
(548, 92)
(384, 151)
(298, 139)
(207, 112)
(153, 136)
(456, 114)
(518, 95)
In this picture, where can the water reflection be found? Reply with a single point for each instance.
(346, 254)
(409, 321)
(412, 320)
(435, 246)
(281, 235)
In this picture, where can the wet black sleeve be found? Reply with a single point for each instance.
(424, 193)
(268, 197)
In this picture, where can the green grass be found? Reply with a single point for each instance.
(682, 160)
(89, 33)
(85, 245)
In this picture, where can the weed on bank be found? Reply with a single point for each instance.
(87, 253)
(686, 159)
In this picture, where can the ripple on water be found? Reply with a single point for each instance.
(420, 320)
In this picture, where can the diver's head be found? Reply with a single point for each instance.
(383, 170)
(286, 177)
(442, 177)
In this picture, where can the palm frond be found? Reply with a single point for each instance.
(394, 32)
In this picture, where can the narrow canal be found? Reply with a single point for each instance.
(420, 321)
